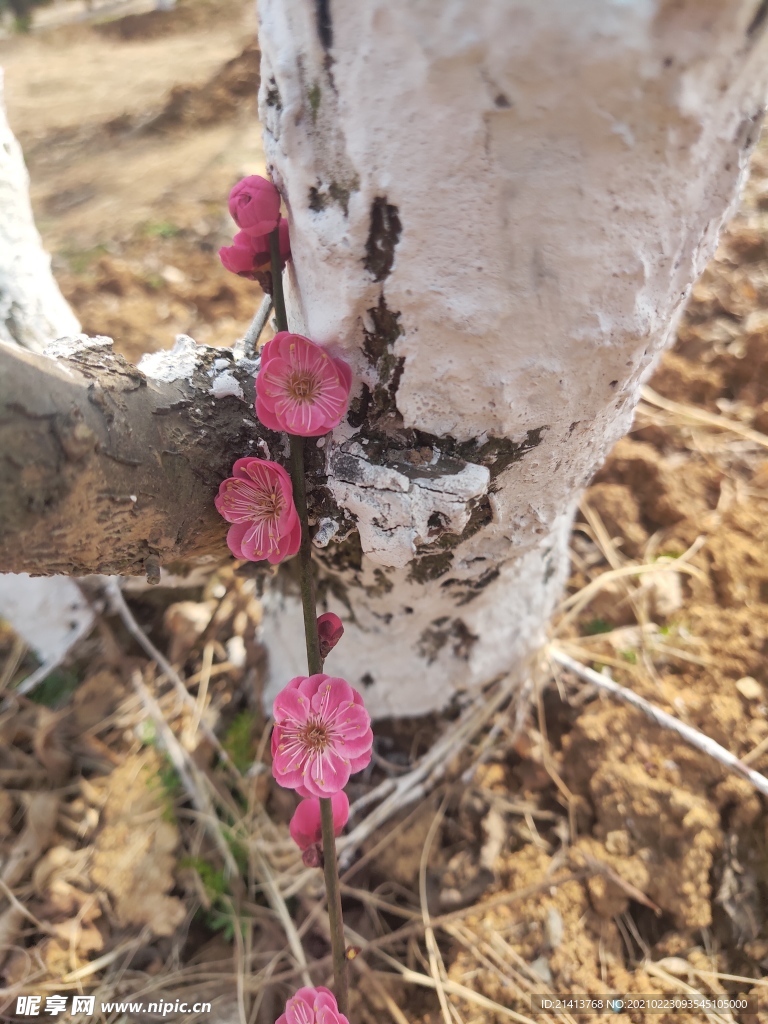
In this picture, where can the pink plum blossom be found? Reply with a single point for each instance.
(262, 248)
(306, 827)
(258, 500)
(300, 388)
(242, 258)
(254, 204)
(322, 735)
(312, 1006)
(329, 630)
(251, 253)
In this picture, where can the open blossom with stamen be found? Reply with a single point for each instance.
(322, 735)
(300, 388)
(258, 500)
(312, 1006)
(306, 827)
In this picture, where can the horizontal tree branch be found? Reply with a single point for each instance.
(106, 468)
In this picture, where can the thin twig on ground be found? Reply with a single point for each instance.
(436, 965)
(689, 734)
(120, 605)
(397, 794)
(709, 419)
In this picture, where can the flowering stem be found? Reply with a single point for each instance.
(306, 579)
(277, 281)
(333, 889)
(314, 660)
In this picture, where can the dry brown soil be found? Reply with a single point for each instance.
(592, 852)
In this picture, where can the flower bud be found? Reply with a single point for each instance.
(254, 204)
(329, 631)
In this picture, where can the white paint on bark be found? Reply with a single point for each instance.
(526, 190)
(404, 509)
(178, 363)
(225, 385)
(32, 309)
(50, 612)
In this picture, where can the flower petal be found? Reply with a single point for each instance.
(330, 694)
(235, 539)
(266, 416)
(290, 705)
(362, 760)
(327, 773)
(305, 826)
(309, 685)
(345, 373)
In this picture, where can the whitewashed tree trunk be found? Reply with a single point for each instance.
(50, 614)
(32, 309)
(497, 211)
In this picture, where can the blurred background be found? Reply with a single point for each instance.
(135, 122)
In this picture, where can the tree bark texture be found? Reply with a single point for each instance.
(32, 309)
(105, 468)
(497, 211)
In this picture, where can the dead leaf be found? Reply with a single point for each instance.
(186, 621)
(10, 925)
(42, 811)
(133, 858)
(60, 864)
(48, 748)
(96, 698)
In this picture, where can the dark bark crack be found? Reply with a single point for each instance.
(383, 237)
(324, 23)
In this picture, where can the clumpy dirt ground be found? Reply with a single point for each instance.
(568, 844)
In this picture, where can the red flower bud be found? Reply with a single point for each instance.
(329, 630)
(306, 829)
(254, 204)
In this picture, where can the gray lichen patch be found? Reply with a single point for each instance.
(337, 191)
(398, 508)
(314, 95)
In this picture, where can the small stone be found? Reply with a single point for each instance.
(749, 688)
(236, 652)
(172, 275)
(540, 966)
(676, 965)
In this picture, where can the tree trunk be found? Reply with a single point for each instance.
(497, 211)
(32, 309)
